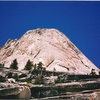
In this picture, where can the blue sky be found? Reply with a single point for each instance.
(80, 21)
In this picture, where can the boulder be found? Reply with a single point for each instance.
(14, 91)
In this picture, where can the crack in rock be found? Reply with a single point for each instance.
(64, 67)
(37, 54)
(50, 63)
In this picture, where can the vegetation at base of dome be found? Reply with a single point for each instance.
(2, 79)
(15, 76)
(38, 80)
(1, 65)
(14, 64)
(38, 69)
(9, 75)
(93, 72)
(22, 75)
(28, 65)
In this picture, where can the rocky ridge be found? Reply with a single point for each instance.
(49, 46)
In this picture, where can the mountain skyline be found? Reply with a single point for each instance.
(78, 20)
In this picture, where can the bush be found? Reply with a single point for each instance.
(15, 76)
(22, 75)
(9, 75)
(93, 72)
(38, 80)
(2, 79)
(1, 65)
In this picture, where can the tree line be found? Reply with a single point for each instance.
(29, 65)
(37, 67)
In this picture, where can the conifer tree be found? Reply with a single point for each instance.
(28, 65)
(40, 67)
(14, 64)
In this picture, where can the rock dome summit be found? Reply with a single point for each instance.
(49, 46)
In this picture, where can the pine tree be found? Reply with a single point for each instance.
(39, 67)
(28, 65)
(14, 64)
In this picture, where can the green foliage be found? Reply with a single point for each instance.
(1, 65)
(12, 75)
(2, 79)
(39, 66)
(14, 64)
(9, 75)
(44, 71)
(35, 67)
(38, 80)
(15, 76)
(93, 72)
(28, 65)
(22, 75)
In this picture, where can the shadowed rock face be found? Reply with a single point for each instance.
(49, 46)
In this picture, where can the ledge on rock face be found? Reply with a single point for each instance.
(10, 42)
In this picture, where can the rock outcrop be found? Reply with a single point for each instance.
(13, 91)
(49, 46)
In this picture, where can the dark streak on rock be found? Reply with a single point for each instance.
(84, 64)
(71, 45)
(64, 67)
(75, 57)
(50, 63)
(37, 54)
(40, 31)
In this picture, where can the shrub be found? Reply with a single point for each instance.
(15, 76)
(93, 72)
(2, 79)
(22, 75)
(1, 65)
(38, 80)
(9, 75)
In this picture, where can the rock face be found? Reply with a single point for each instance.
(49, 46)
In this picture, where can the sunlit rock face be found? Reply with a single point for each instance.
(49, 46)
